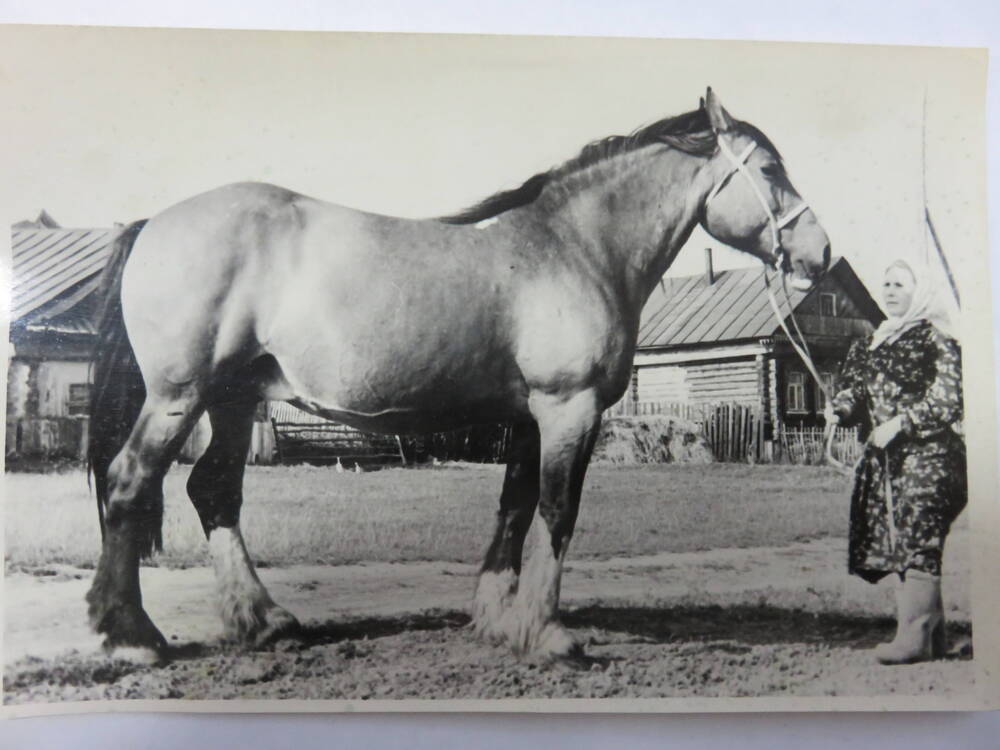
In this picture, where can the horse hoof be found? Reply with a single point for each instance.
(488, 631)
(575, 659)
(555, 644)
(136, 655)
(279, 624)
(130, 634)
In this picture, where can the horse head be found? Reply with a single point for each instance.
(753, 205)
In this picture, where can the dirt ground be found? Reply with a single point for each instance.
(736, 622)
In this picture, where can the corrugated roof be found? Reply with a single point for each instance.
(48, 262)
(688, 310)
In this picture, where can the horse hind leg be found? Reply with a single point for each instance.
(498, 578)
(132, 521)
(215, 486)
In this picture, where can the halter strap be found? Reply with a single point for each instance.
(792, 215)
(738, 165)
(802, 349)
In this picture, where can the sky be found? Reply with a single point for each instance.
(114, 125)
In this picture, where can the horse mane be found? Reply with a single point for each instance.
(690, 133)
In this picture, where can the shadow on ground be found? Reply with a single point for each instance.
(334, 631)
(749, 625)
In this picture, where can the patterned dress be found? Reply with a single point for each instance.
(919, 377)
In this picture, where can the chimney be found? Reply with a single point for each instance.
(709, 272)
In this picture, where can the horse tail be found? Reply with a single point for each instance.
(118, 389)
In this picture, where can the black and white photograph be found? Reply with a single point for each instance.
(413, 372)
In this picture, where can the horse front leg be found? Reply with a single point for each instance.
(568, 428)
(498, 578)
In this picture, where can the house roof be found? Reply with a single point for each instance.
(42, 221)
(687, 310)
(53, 270)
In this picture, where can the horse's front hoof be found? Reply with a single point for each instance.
(555, 644)
(575, 659)
(136, 655)
(279, 624)
(130, 634)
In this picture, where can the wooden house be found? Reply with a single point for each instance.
(713, 338)
(54, 274)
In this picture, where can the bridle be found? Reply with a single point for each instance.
(778, 257)
(738, 165)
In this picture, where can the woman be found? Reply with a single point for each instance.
(902, 386)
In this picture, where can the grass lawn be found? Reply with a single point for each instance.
(306, 514)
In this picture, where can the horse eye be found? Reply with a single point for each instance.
(769, 171)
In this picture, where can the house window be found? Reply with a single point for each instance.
(79, 399)
(796, 395)
(827, 378)
(828, 305)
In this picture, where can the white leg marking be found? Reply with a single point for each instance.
(524, 611)
(494, 594)
(247, 610)
(535, 610)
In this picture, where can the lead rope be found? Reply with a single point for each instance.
(738, 166)
(890, 504)
(803, 351)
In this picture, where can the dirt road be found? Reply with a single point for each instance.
(737, 622)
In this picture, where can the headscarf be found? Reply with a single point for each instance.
(926, 304)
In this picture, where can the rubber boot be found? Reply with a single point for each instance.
(920, 622)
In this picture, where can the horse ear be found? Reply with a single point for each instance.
(717, 115)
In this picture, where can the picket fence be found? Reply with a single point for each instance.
(736, 432)
(733, 432)
(807, 445)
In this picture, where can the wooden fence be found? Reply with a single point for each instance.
(479, 444)
(261, 451)
(47, 437)
(733, 432)
(807, 445)
(736, 432)
(303, 437)
(629, 408)
(67, 438)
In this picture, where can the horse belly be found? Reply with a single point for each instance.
(404, 395)
(391, 325)
(380, 374)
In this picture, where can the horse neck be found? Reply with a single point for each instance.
(630, 215)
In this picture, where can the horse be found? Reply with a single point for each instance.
(523, 309)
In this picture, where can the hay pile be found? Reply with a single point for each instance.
(629, 441)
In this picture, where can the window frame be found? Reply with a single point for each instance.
(795, 379)
(829, 380)
(77, 406)
(832, 297)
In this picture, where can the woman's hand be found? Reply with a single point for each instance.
(830, 415)
(886, 432)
